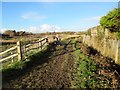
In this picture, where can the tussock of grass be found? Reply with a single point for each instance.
(18, 65)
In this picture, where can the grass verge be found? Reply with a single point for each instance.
(85, 73)
(17, 68)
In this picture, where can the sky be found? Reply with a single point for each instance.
(38, 17)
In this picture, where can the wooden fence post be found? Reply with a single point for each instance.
(19, 50)
(46, 40)
(41, 45)
(24, 51)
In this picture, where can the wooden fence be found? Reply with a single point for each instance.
(22, 49)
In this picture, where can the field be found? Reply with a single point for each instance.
(25, 40)
(70, 65)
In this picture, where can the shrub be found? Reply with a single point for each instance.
(112, 20)
(117, 34)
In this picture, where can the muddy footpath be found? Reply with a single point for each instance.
(57, 66)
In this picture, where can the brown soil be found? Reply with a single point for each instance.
(56, 68)
(53, 73)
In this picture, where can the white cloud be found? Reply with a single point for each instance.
(49, 28)
(2, 30)
(33, 29)
(96, 18)
(37, 29)
(33, 16)
(42, 28)
(23, 29)
(86, 23)
(45, 27)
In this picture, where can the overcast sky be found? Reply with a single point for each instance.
(39, 17)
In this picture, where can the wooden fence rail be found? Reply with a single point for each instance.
(21, 50)
(13, 48)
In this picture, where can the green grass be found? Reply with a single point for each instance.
(14, 66)
(17, 66)
(85, 72)
(85, 69)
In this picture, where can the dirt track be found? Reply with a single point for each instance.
(55, 68)
(53, 73)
